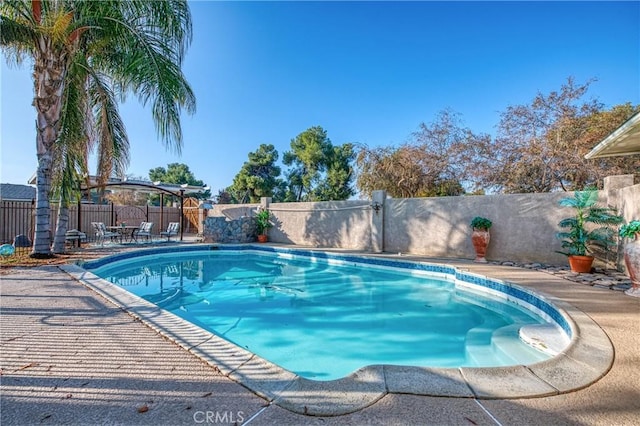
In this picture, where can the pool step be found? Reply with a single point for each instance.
(479, 347)
(481, 335)
(506, 341)
(547, 338)
(502, 346)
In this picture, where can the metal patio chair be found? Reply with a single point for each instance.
(172, 230)
(102, 233)
(144, 231)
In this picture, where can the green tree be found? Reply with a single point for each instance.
(180, 174)
(337, 184)
(258, 177)
(225, 197)
(85, 55)
(316, 167)
(177, 173)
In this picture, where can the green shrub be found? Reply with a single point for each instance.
(630, 230)
(577, 239)
(262, 221)
(481, 223)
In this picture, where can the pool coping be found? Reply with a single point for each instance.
(588, 357)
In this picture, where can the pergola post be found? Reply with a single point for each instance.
(162, 210)
(181, 213)
(80, 217)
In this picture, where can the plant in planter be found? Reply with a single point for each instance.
(632, 254)
(590, 225)
(262, 224)
(480, 237)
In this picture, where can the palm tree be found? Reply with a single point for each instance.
(85, 55)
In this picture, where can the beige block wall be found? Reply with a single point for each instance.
(339, 224)
(524, 225)
(629, 202)
(232, 211)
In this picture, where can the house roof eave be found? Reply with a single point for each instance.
(625, 140)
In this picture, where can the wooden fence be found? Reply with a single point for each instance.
(18, 217)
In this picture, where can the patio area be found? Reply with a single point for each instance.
(70, 356)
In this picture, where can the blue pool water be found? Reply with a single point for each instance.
(325, 319)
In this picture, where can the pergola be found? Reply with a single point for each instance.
(175, 190)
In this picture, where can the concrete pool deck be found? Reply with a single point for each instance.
(70, 356)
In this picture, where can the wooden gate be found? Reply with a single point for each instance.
(191, 215)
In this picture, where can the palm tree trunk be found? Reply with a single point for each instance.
(61, 228)
(42, 234)
(49, 71)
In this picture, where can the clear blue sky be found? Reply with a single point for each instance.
(366, 72)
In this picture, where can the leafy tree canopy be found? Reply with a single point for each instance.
(430, 164)
(318, 170)
(225, 197)
(337, 183)
(178, 173)
(258, 177)
(540, 146)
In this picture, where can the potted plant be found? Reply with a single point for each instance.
(262, 224)
(632, 254)
(590, 225)
(480, 237)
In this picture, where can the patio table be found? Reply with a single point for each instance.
(125, 231)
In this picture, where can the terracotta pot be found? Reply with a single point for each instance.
(580, 264)
(632, 261)
(262, 238)
(480, 240)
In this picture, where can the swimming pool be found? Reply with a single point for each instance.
(323, 316)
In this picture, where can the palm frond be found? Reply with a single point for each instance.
(579, 236)
(569, 202)
(113, 142)
(143, 55)
(71, 145)
(586, 198)
(15, 38)
(19, 10)
(602, 236)
(603, 216)
(569, 222)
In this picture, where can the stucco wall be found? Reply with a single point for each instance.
(343, 224)
(524, 225)
(629, 202)
(232, 211)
